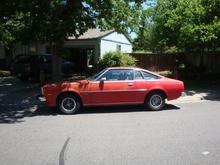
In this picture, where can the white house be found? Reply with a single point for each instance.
(92, 44)
(101, 42)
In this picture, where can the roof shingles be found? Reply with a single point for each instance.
(92, 34)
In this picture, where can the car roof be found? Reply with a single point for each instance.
(123, 67)
(135, 68)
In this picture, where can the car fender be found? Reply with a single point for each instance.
(157, 88)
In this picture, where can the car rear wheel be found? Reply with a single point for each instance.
(69, 104)
(155, 101)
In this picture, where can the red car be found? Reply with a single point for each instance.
(113, 86)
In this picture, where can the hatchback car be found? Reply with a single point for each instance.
(113, 86)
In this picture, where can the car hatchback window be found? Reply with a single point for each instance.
(118, 75)
(149, 76)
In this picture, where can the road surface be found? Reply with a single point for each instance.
(186, 133)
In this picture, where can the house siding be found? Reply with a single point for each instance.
(112, 41)
(117, 37)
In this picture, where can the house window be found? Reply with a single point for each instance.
(118, 47)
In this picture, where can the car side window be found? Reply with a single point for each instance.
(138, 75)
(149, 76)
(117, 75)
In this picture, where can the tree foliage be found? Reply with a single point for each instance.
(186, 25)
(117, 58)
(54, 20)
(143, 31)
(12, 22)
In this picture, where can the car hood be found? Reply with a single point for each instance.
(65, 85)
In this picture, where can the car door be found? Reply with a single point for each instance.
(143, 83)
(114, 87)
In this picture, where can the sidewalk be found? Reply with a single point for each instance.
(199, 94)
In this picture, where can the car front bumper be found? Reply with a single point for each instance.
(183, 94)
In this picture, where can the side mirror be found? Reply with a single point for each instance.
(103, 79)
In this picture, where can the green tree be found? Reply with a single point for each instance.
(52, 21)
(184, 25)
(112, 59)
(143, 31)
(12, 25)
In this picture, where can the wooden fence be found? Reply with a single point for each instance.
(160, 62)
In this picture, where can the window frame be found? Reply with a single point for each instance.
(140, 73)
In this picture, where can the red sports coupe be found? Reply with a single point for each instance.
(113, 86)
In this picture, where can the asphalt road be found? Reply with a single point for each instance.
(185, 133)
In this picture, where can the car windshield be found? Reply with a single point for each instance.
(92, 78)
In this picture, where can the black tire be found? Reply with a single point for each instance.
(69, 104)
(155, 101)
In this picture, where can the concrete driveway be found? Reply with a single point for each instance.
(200, 93)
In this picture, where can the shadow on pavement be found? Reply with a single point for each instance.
(204, 94)
(18, 101)
(13, 114)
(212, 95)
(207, 90)
(123, 109)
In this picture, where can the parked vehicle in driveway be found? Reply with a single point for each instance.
(113, 86)
(36, 66)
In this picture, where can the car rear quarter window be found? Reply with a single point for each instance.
(149, 76)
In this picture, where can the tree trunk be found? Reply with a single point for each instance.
(57, 61)
(201, 64)
(8, 56)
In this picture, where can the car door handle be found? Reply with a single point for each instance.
(130, 84)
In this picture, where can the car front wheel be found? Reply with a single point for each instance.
(69, 104)
(155, 101)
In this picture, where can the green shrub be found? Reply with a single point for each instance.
(4, 73)
(117, 58)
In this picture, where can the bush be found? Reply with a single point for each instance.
(117, 58)
(4, 73)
